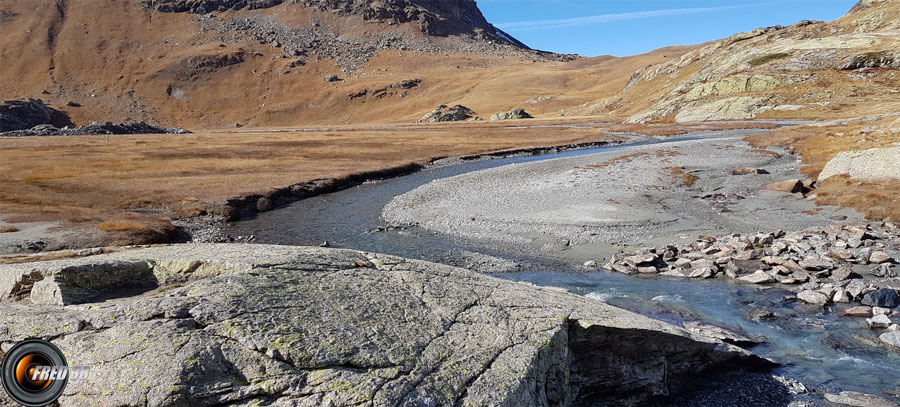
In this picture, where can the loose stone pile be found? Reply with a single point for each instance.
(834, 264)
(833, 253)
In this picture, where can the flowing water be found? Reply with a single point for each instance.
(826, 352)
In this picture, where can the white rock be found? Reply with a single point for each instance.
(876, 311)
(891, 338)
(590, 263)
(813, 297)
(841, 296)
(878, 322)
(758, 277)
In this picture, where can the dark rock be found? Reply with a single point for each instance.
(25, 114)
(882, 59)
(747, 171)
(883, 297)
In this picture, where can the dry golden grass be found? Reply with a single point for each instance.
(8, 229)
(877, 199)
(89, 181)
(121, 226)
(686, 178)
(818, 145)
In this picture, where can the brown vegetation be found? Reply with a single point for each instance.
(819, 144)
(879, 200)
(8, 229)
(87, 180)
(686, 178)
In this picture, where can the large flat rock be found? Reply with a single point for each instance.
(244, 324)
(871, 164)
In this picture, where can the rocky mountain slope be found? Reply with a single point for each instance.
(847, 67)
(441, 17)
(211, 64)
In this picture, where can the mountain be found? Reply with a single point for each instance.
(214, 63)
(206, 64)
(433, 17)
(811, 69)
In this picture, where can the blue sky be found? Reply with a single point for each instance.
(628, 27)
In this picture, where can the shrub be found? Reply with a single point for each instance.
(121, 226)
(768, 58)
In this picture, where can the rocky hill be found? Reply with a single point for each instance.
(213, 63)
(810, 69)
(433, 17)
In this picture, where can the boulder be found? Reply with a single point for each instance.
(791, 185)
(816, 264)
(883, 297)
(841, 273)
(852, 398)
(871, 164)
(891, 338)
(878, 257)
(758, 277)
(878, 322)
(813, 297)
(443, 113)
(858, 311)
(241, 324)
(28, 113)
(881, 311)
(884, 270)
(511, 115)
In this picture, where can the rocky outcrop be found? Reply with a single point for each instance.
(433, 17)
(750, 73)
(246, 324)
(27, 113)
(733, 108)
(444, 114)
(871, 164)
(96, 128)
(512, 115)
(883, 59)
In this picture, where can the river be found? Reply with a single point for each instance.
(818, 348)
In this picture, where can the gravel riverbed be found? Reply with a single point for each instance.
(590, 207)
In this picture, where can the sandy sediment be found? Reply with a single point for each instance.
(588, 207)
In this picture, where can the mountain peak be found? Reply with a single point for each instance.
(432, 17)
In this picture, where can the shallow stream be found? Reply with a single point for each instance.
(826, 352)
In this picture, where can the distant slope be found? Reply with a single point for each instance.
(810, 69)
(265, 64)
(203, 64)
